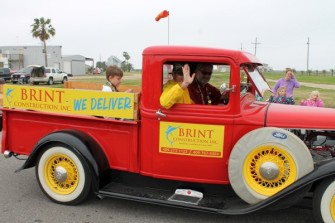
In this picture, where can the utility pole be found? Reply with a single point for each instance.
(307, 53)
(161, 15)
(241, 47)
(256, 43)
(169, 28)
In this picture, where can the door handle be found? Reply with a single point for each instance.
(160, 114)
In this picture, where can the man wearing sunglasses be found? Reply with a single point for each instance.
(176, 91)
(201, 92)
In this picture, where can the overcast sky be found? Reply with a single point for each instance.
(101, 28)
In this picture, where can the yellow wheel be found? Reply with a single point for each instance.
(324, 201)
(269, 169)
(265, 161)
(63, 175)
(332, 208)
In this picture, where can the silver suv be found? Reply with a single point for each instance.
(48, 75)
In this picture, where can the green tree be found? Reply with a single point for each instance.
(43, 30)
(101, 65)
(309, 72)
(332, 71)
(324, 72)
(125, 64)
(130, 67)
(126, 56)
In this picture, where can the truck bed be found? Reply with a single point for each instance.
(18, 137)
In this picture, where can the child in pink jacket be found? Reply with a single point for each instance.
(314, 100)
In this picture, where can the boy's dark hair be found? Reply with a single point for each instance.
(113, 71)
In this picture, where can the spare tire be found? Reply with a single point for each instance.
(265, 161)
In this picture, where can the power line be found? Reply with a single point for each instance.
(307, 52)
(256, 43)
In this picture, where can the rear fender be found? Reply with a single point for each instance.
(79, 141)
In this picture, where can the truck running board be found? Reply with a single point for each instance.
(187, 196)
(184, 198)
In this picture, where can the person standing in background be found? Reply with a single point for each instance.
(288, 81)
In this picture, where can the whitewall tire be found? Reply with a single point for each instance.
(265, 161)
(63, 175)
(324, 201)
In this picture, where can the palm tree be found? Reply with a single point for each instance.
(332, 71)
(127, 57)
(43, 30)
(324, 72)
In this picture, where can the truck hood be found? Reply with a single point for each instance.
(296, 116)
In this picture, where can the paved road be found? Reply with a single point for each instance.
(21, 201)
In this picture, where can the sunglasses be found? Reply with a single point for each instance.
(206, 73)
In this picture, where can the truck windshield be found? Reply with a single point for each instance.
(257, 78)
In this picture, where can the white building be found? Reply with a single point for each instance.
(113, 60)
(3, 61)
(22, 56)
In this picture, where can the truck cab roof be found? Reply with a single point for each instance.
(243, 57)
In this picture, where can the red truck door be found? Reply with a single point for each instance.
(189, 142)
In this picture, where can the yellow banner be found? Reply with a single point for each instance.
(73, 101)
(191, 139)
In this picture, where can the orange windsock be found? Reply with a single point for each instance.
(161, 15)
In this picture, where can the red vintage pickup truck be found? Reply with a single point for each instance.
(232, 158)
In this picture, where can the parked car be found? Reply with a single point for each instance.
(23, 75)
(48, 75)
(97, 70)
(12, 71)
(5, 73)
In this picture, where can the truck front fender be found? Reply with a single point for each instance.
(325, 170)
(77, 140)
